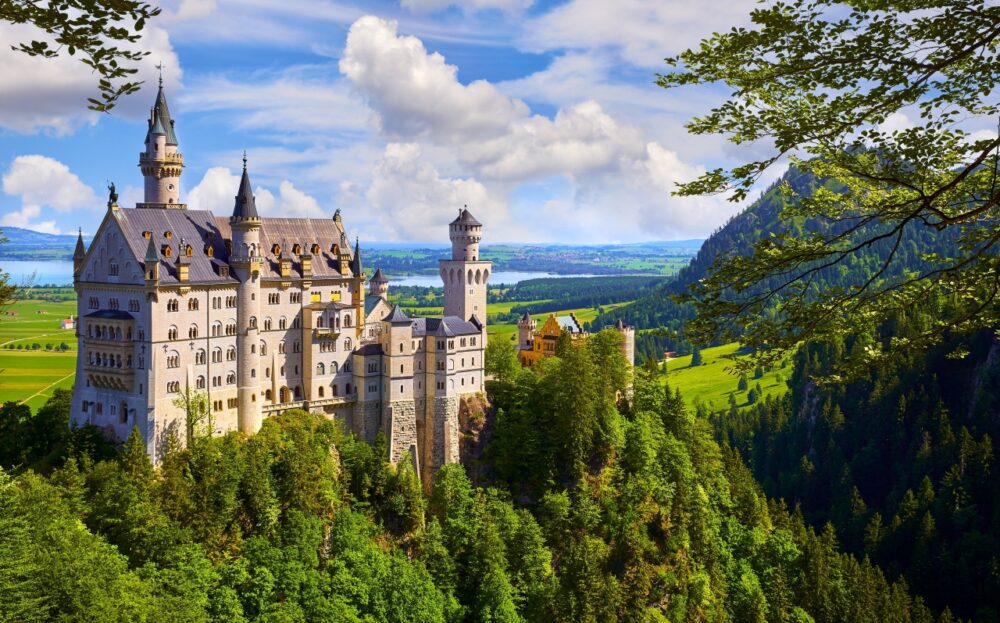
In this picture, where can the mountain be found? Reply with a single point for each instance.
(26, 244)
(738, 236)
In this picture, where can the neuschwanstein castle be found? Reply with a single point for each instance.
(262, 315)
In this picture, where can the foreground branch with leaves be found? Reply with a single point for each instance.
(102, 31)
(825, 85)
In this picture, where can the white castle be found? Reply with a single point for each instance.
(262, 315)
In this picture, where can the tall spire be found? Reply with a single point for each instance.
(356, 267)
(160, 121)
(246, 207)
(80, 249)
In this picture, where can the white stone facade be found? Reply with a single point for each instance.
(260, 316)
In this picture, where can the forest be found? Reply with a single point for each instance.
(584, 508)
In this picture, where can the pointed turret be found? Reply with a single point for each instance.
(160, 121)
(151, 263)
(378, 285)
(246, 206)
(356, 266)
(78, 253)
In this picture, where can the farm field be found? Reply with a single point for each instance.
(30, 376)
(711, 384)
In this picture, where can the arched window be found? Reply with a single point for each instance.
(172, 305)
(200, 383)
(276, 250)
(267, 394)
(282, 323)
(297, 249)
(217, 355)
(253, 322)
(320, 391)
(348, 344)
(263, 348)
(193, 332)
(231, 354)
(320, 368)
(315, 249)
(347, 320)
(347, 389)
(199, 357)
(113, 268)
(334, 389)
(189, 250)
(267, 324)
(231, 378)
(192, 304)
(172, 333)
(333, 367)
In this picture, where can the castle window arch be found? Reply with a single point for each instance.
(333, 367)
(192, 304)
(113, 268)
(320, 391)
(210, 251)
(231, 378)
(172, 305)
(267, 394)
(267, 324)
(333, 389)
(263, 348)
(253, 322)
(479, 275)
(216, 328)
(347, 320)
(470, 276)
(231, 354)
(282, 323)
(486, 274)
(193, 331)
(172, 333)
(348, 344)
(168, 250)
(168, 234)
(188, 249)
(199, 357)
(217, 355)
(320, 368)
(200, 383)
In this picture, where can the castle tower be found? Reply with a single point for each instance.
(399, 418)
(246, 264)
(464, 275)
(378, 285)
(160, 162)
(628, 340)
(526, 331)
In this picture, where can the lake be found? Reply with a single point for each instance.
(60, 273)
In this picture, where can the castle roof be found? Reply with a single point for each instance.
(569, 323)
(379, 276)
(204, 230)
(396, 316)
(246, 206)
(448, 326)
(356, 267)
(465, 218)
(160, 121)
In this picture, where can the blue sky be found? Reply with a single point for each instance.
(541, 116)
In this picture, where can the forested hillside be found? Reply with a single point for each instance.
(658, 310)
(595, 511)
(902, 461)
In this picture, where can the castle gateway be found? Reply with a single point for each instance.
(261, 315)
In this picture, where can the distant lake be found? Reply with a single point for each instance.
(508, 277)
(56, 272)
(61, 273)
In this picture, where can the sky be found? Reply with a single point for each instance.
(542, 117)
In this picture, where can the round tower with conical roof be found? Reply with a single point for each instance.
(245, 261)
(526, 327)
(465, 276)
(378, 285)
(161, 163)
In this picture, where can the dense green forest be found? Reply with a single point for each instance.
(901, 461)
(586, 509)
(659, 310)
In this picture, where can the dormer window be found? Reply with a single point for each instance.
(167, 250)
(315, 249)
(147, 234)
(189, 251)
(297, 249)
(168, 234)
(210, 251)
(276, 250)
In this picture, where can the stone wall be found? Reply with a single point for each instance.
(366, 420)
(401, 429)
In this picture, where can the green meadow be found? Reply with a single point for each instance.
(712, 383)
(31, 375)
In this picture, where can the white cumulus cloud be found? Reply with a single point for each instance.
(43, 182)
(217, 192)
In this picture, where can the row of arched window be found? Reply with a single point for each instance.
(103, 332)
(109, 360)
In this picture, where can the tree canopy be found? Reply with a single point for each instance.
(878, 101)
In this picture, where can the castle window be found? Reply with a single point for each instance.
(333, 367)
(210, 251)
(133, 305)
(172, 333)
(267, 373)
(315, 249)
(167, 250)
(400, 368)
(172, 305)
(200, 383)
(347, 389)
(267, 324)
(320, 391)
(298, 392)
(94, 303)
(400, 347)
(253, 322)
(348, 344)
(253, 373)
(274, 298)
(189, 250)
(400, 389)
(230, 302)
(192, 304)
(173, 360)
(276, 250)
(282, 323)
(320, 368)
(173, 387)
(263, 348)
(229, 247)
(294, 297)
(193, 332)
(473, 340)
(113, 303)
(297, 249)
(147, 234)
(217, 355)
(199, 357)
(347, 320)
(462, 342)
(296, 321)
(231, 329)
(113, 268)
(231, 378)
(216, 329)
(333, 389)
(168, 234)
(281, 348)
(231, 354)
(451, 343)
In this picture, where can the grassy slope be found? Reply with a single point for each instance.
(711, 384)
(33, 375)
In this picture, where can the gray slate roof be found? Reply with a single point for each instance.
(203, 229)
(160, 121)
(246, 206)
(465, 218)
(448, 326)
(379, 276)
(396, 316)
(569, 323)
